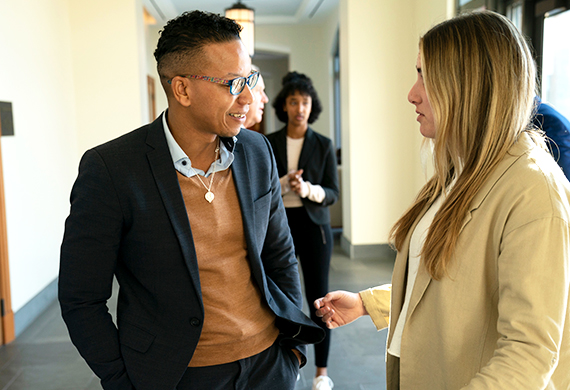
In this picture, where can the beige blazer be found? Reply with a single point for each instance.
(501, 321)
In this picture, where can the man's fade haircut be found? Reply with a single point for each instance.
(297, 82)
(184, 37)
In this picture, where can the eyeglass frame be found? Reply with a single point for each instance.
(228, 83)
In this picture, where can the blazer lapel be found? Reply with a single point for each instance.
(308, 147)
(240, 171)
(164, 173)
(241, 174)
(281, 151)
(421, 284)
(399, 278)
(423, 278)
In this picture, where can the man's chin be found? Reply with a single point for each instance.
(231, 132)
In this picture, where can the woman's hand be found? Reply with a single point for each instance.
(296, 181)
(339, 308)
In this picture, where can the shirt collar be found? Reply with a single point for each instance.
(183, 164)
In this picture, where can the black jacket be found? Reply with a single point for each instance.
(128, 219)
(318, 162)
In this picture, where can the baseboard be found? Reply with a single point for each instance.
(383, 251)
(36, 306)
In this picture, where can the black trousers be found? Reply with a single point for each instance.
(276, 368)
(313, 247)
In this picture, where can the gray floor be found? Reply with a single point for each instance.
(43, 358)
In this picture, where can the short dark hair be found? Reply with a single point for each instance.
(293, 82)
(184, 36)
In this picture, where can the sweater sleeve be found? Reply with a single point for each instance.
(377, 303)
(314, 192)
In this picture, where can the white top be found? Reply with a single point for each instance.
(314, 192)
(414, 259)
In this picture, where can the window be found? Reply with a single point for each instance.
(556, 61)
(337, 103)
(515, 14)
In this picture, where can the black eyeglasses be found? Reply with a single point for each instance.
(236, 85)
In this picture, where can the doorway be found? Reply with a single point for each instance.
(7, 331)
(273, 66)
(555, 72)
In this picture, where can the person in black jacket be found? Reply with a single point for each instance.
(306, 165)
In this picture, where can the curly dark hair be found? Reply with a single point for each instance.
(297, 82)
(184, 36)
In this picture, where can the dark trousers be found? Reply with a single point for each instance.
(313, 247)
(276, 368)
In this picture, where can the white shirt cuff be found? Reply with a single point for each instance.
(315, 192)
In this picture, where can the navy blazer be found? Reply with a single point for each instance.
(557, 129)
(318, 162)
(128, 219)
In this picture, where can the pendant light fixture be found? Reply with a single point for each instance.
(244, 16)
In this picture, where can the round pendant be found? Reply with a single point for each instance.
(209, 196)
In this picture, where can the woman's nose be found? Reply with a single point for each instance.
(413, 96)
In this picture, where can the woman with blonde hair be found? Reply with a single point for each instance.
(480, 287)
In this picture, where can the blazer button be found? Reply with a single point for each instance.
(195, 322)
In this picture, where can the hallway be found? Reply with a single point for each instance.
(43, 358)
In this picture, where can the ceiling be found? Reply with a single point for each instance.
(266, 11)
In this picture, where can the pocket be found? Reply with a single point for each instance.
(135, 338)
(292, 357)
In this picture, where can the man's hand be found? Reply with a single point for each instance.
(339, 308)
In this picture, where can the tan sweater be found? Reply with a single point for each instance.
(238, 323)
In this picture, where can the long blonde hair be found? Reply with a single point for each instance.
(480, 80)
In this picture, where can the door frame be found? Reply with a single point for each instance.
(539, 12)
(7, 328)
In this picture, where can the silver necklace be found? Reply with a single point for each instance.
(209, 195)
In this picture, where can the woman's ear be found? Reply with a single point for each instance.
(181, 90)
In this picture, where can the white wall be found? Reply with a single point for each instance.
(428, 13)
(75, 74)
(109, 68)
(40, 159)
(152, 35)
(381, 167)
(309, 48)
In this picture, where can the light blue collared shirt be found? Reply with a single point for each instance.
(183, 164)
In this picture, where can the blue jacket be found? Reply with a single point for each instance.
(557, 129)
(128, 219)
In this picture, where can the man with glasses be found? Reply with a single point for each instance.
(186, 213)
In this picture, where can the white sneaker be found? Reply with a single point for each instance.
(322, 382)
